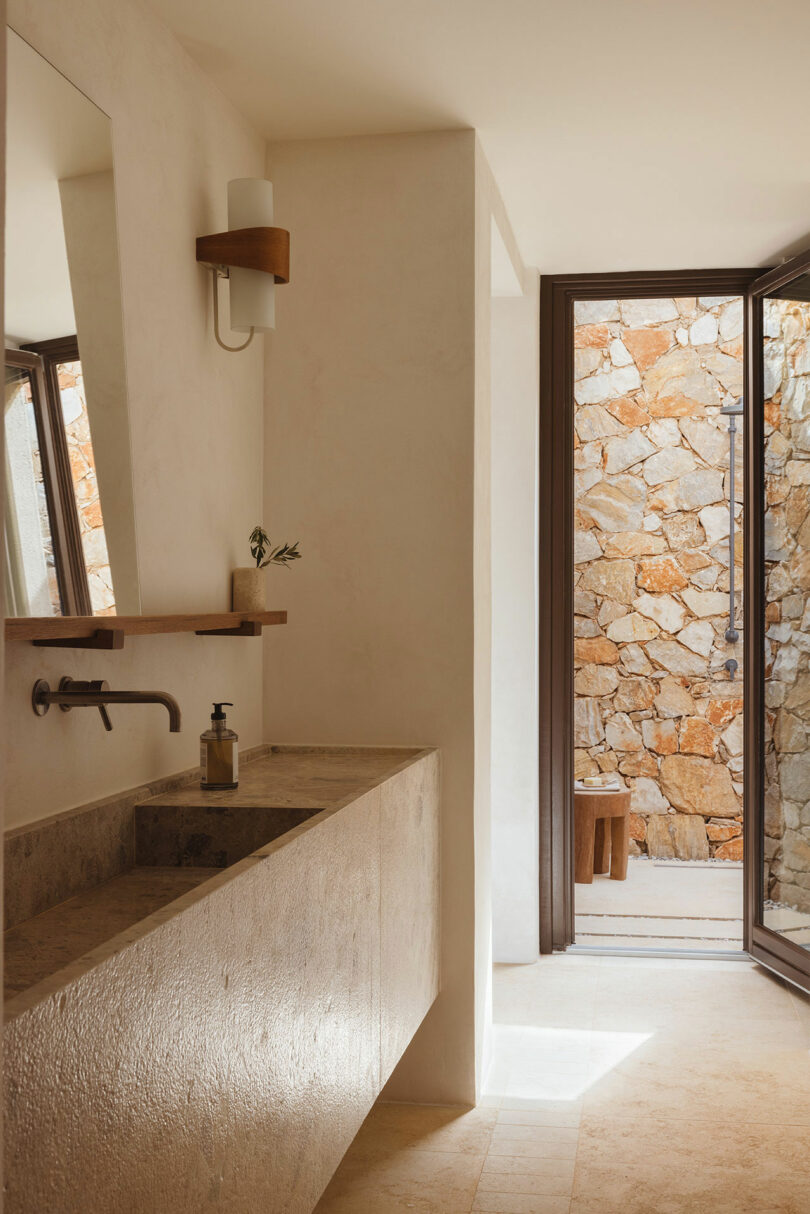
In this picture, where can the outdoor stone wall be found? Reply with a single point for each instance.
(787, 552)
(85, 485)
(653, 699)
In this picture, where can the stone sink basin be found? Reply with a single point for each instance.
(206, 992)
(93, 875)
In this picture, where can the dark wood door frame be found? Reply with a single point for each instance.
(556, 560)
(768, 947)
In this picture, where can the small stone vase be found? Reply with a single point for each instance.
(248, 589)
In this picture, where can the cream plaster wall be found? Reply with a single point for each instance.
(515, 823)
(378, 459)
(498, 490)
(485, 196)
(370, 450)
(195, 413)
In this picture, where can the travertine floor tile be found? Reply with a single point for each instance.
(544, 1178)
(671, 1167)
(560, 1112)
(618, 1112)
(566, 1115)
(801, 1006)
(422, 1182)
(535, 1141)
(398, 1127)
(639, 1000)
(764, 1085)
(508, 1165)
(519, 1203)
(784, 1028)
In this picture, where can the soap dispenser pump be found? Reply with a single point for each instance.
(218, 752)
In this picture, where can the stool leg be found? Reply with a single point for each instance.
(583, 847)
(620, 836)
(601, 846)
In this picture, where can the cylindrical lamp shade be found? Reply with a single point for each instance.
(253, 293)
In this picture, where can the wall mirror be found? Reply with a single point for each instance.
(70, 526)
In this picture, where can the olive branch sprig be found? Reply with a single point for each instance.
(264, 554)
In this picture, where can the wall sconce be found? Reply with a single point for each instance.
(252, 255)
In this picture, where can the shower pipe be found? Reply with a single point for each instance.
(732, 412)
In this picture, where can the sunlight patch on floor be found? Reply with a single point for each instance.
(541, 1064)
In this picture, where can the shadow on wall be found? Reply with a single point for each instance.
(653, 697)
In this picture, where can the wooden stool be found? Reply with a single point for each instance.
(594, 846)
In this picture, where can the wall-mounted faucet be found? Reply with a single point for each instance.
(731, 665)
(95, 693)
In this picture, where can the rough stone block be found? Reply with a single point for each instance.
(677, 836)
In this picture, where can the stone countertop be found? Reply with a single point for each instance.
(186, 838)
(300, 777)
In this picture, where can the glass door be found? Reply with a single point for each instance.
(777, 579)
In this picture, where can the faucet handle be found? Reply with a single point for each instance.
(101, 685)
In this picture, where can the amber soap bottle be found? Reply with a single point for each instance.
(219, 757)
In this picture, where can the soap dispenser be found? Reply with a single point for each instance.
(218, 752)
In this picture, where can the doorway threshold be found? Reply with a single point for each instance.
(682, 954)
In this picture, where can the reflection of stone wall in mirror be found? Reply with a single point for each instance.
(62, 272)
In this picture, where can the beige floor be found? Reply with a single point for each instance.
(634, 1086)
(665, 905)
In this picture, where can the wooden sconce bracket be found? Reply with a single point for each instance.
(266, 249)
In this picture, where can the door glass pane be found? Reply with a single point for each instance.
(786, 335)
(31, 582)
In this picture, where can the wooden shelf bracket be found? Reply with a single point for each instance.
(248, 628)
(103, 638)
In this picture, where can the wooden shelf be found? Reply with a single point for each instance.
(109, 631)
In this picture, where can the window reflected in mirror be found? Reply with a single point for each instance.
(57, 560)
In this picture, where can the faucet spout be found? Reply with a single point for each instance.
(142, 697)
(76, 693)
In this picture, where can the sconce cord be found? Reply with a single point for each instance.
(230, 349)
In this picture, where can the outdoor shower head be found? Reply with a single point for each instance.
(734, 410)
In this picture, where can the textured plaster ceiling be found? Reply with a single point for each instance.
(636, 134)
